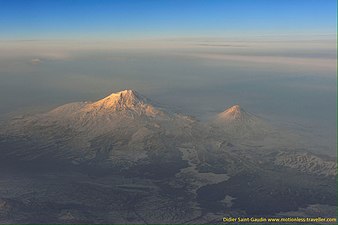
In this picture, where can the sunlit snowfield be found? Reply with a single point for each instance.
(288, 80)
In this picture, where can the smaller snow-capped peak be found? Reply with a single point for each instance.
(239, 124)
(233, 113)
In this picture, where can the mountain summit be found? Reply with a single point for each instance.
(233, 113)
(122, 125)
(126, 99)
(124, 110)
(236, 122)
(128, 102)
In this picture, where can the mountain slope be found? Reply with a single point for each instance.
(239, 124)
(95, 118)
(126, 128)
(125, 157)
(307, 163)
(124, 125)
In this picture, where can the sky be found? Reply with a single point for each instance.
(275, 58)
(74, 19)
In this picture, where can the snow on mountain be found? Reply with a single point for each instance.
(128, 101)
(234, 113)
(125, 122)
(124, 104)
(307, 163)
(121, 109)
(126, 127)
(237, 123)
(240, 127)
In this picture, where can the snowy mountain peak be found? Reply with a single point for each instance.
(233, 113)
(126, 99)
(128, 93)
(236, 109)
(239, 124)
